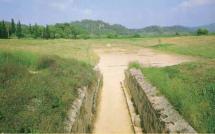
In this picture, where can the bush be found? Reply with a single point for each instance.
(111, 36)
(84, 36)
(202, 31)
(136, 36)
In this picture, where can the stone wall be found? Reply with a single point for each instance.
(83, 110)
(156, 113)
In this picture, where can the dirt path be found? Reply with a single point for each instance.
(113, 116)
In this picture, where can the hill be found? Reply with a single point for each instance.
(168, 30)
(97, 27)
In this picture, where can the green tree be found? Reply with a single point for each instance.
(52, 30)
(13, 27)
(75, 30)
(202, 31)
(30, 29)
(46, 32)
(3, 31)
(19, 33)
(0, 30)
(36, 32)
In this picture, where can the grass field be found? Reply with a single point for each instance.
(82, 49)
(36, 91)
(193, 46)
(201, 46)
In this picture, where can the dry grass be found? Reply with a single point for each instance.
(77, 49)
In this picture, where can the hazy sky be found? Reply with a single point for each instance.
(131, 13)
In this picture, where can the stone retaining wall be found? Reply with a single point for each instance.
(156, 113)
(83, 110)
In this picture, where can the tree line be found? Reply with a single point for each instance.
(18, 30)
(85, 29)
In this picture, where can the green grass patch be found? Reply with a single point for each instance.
(36, 101)
(18, 57)
(201, 50)
(190, 88)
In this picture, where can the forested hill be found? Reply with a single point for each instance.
(101, 28)
(171, 30)
(90, 29)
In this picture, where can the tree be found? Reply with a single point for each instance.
(202, 31)
(36, 32)
(3, 31)
(19, 33)
(30, 29)
(0, 30)
(13, 27)
(52, 30)
(75, 30)
(46, 32)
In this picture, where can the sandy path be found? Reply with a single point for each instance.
(113, 116)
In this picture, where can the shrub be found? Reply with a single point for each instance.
(202, 31)
(111, 36)
(136, 35)
(177, 34)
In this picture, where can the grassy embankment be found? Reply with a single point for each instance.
(36, 91)
(190, 87)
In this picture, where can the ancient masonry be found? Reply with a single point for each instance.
(82, 114)
(156, 113)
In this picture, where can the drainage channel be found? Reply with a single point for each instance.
(135, 119)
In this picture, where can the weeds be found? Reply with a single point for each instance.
(36, 103)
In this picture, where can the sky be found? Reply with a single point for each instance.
(130, 13)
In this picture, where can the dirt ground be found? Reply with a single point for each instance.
(113, 115)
